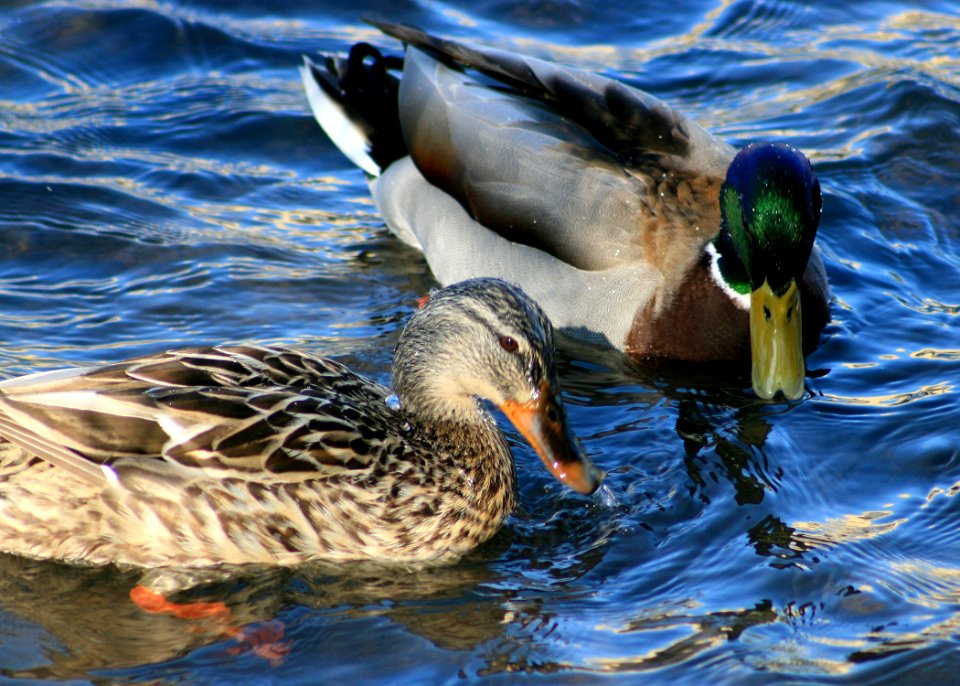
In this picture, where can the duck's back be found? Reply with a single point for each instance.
(577, 165)
(502, 184)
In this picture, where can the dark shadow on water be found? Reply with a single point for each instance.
(736, 436)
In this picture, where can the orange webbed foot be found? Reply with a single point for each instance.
(153, 602)
(265, 640)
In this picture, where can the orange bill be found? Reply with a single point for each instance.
(543, 423)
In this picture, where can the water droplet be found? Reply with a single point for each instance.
(605, 497)
(393, 402)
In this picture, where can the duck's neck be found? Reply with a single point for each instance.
(727, 268)
(477, 450)
(437, 405)
(453, 424)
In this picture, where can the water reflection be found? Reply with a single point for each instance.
(700, 633)
(80, 622)
(736, 436)
(722, 430)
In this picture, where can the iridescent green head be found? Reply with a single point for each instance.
(770, 207)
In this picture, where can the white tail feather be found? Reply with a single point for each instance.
(333, 119)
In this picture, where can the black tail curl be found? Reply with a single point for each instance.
(367, 85)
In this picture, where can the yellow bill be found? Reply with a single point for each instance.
(776, 342)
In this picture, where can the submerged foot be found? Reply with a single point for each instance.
(265, 639)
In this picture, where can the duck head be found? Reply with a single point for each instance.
(485, 338)
(770, 207)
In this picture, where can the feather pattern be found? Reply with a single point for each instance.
(239, 454)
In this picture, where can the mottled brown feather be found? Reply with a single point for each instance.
(252, 454)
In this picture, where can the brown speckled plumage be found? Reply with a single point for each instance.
(270, 455)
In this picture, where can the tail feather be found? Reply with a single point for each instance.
(355, 102)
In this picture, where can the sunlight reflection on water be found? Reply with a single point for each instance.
(162, 184)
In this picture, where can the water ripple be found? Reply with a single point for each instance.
(163, 184)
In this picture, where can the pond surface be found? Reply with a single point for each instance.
(163, 184)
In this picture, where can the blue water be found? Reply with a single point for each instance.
(162, 184)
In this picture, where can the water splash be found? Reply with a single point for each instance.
(604, 496)
(393, 402)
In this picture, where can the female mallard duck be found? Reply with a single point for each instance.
(625, 220)
(272, 455)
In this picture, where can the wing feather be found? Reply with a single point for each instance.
(571, 163)
(273, 412)
(51, 451)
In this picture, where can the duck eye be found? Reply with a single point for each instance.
(509, 344)
(789, 314)
(766, 313)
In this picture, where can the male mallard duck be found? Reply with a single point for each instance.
(625, 220)
(272, 455)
